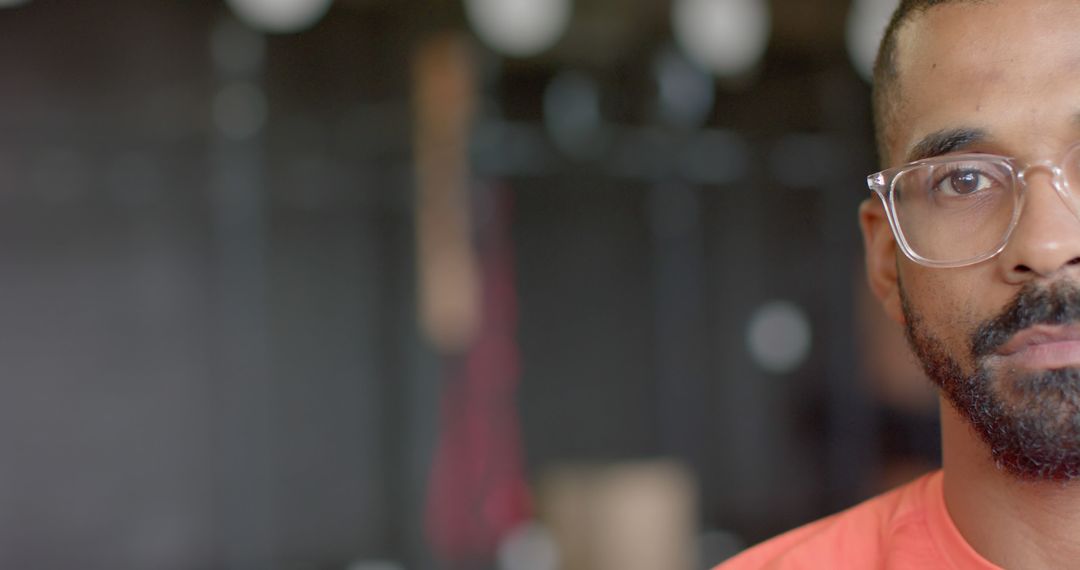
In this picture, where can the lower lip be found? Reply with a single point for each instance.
(1044, 355)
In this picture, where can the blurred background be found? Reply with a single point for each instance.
(426, 284)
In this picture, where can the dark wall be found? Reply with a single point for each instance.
(209, 344)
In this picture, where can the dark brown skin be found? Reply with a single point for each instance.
(1010, 68)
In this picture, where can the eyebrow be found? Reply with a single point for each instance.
(945, 141)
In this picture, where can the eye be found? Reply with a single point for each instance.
(964, 182)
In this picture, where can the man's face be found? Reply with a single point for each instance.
(1008, 70)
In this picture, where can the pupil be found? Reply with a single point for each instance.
(965, 182)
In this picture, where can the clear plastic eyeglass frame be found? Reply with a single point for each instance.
(883, 183)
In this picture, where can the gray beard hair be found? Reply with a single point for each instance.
(1031, 422)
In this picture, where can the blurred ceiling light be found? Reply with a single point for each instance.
(727, 37)
(779, 336)
(572, 115)
(519, 28)
(12, 3)
(866, 24)
(280, 16)
(685, 92)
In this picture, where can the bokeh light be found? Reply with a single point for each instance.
(519, 28)
(529, 547)
(866, 24)
(685, 91)
(572, 115)
(778, 336)
(280, 16)
(728, 37)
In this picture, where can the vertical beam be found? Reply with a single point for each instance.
(679, 276)
(245, 406)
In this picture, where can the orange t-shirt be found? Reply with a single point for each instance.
(906, 528)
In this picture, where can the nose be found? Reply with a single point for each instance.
(1046, 240)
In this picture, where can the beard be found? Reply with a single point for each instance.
(1030, 421)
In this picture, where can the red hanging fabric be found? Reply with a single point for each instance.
(478, 491)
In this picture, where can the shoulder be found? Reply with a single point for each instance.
(855, 538)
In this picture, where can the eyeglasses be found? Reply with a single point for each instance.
(958, 210)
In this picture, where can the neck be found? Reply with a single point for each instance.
(1014, 524)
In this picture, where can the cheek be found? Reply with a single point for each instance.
(949, 302)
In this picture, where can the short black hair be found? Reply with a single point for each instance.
(885, 68)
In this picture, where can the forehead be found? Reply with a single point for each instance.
(1009, 68)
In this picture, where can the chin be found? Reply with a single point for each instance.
(1030, 421)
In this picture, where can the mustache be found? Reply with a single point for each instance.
(1058, 304)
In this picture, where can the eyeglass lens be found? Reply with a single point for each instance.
(964, 209)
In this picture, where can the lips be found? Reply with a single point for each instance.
(1042, 347)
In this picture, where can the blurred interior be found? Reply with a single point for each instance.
(396, 284)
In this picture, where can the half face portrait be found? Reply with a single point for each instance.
(973, 237)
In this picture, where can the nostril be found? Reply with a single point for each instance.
(1024, 268)
(1074, 261)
